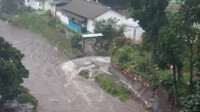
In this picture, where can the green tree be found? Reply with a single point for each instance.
(161, 30)
(151, 15)
(75, 40)
(191, 12)
(170, 47)
(8, 6)
(115, 4)
(12, 71)
(106, 27)
(109, 29)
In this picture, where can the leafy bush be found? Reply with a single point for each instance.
(105, 45)
(84, 73)
(167, 84)
(75, 41)
(106, 27)
(123, 57)
(142, 66)
(26, 97)
(192, 102)
(108, 84)
(125, 54)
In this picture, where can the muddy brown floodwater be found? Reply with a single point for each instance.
(54, 80)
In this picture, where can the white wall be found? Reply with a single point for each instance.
(26, 3)
(62, 17)
(53, 9)
(106, 15)
(111, 14)
(90, 26)
(139, 31)
(129, 33)
(35, 4)
(48, 5)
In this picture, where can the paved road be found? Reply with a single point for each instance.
(54, 80)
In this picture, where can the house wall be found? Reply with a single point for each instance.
(140, 31)
(53, 9)
(90, 26)
(106, 15)
(129, 33)
(27, 3)
(48, 5)
(63, 17)
(36, 5)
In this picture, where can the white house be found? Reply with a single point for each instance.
(80, 15)
(38, 4)
(132, 29)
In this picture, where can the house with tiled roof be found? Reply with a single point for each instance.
(79, 15)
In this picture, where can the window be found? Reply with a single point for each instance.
(39, 4)
(28, 0)
(76, 20)
(70, 18)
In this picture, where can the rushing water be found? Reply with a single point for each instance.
(54, 80)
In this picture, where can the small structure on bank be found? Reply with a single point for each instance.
(96, 38)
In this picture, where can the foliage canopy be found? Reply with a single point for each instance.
(12, 71)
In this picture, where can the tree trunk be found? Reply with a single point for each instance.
(175, 100)
(191, 68)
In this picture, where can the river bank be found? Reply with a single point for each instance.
(58, 89)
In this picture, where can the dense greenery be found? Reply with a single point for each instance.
(109, 29)
(192, 102)
(174, 37)
(8, 8)
(12, 71)
(115, 4)
(26, 97)
(108, 84)
(42, 24)
(75, 41)
(84, 73)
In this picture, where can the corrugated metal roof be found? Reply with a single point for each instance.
(86, 9)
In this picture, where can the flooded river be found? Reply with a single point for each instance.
(54, 80)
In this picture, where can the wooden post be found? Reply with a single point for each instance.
(99, 42)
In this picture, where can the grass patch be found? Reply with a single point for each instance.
(26, 97)
(48, 26)
(84, 73)
(108, 84)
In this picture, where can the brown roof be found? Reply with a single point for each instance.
(86, 9)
